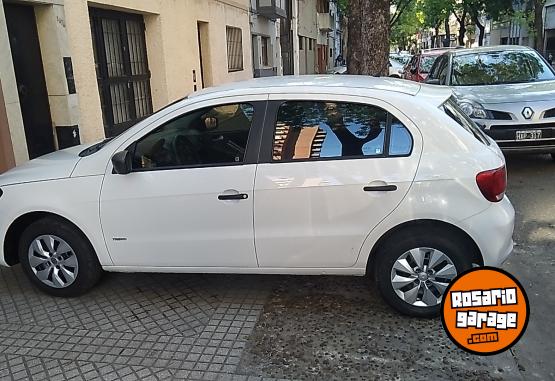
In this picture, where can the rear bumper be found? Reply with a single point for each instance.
(492, 230)
(505, 136)
(527, 148)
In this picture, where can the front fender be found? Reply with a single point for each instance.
(75, 201)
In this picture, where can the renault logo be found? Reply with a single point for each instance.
(527, 112)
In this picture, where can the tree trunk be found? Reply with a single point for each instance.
(437, 42)
(481, 28)
(538, 23)
(447, 41)
(462, 28)
(368, 37)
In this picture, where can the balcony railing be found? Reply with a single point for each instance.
(272, 9)
(325, 22)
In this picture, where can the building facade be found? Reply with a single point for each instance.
(549, 25)
(74, 71)
(317, 25)
(265, 19)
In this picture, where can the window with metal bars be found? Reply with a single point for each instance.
(121, 68)
(234, 49)
(265, 51)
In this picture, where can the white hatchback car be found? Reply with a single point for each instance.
(344, 175)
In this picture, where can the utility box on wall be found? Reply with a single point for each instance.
(68, 136)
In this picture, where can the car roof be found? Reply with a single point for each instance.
(436, 52)
(494, 48)
(314, 83)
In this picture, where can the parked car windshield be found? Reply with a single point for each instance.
(400, 59)
(426, 63)
(499, 67)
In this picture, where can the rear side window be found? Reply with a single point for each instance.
(310, 130)
(452, 109)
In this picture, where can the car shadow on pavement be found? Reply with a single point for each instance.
(339, 328)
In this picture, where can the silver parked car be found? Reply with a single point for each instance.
(509, 91)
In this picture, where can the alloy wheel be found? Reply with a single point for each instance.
(53, 261)
(421, 275)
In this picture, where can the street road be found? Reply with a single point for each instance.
(148, 326)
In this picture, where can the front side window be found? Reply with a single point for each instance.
(204, 137)
(309, 130)
(499, 67)
(439, 69)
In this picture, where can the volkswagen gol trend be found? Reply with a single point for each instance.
(343, 175)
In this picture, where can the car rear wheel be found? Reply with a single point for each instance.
(414, 269)
(58, 259)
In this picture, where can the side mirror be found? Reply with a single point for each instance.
(122, 162)
(434, 81)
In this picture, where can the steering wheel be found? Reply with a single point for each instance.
(184, 151)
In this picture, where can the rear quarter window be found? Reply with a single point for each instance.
(454, 112)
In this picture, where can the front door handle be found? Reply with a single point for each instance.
(380, 188)
(237, 196)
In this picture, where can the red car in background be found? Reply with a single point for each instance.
(419, 66)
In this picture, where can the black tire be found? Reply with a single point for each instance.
(458, 250)
(89, 269)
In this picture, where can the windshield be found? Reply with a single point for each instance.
(452, 109)
(400, 59)
(499, 67)
(426, 63)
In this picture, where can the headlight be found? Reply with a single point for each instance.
(473, 109)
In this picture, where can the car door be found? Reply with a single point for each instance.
(188, 201)
(329, 172)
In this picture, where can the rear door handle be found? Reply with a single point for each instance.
(380, 188)
(238, 196)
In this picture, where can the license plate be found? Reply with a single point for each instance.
(529, 135)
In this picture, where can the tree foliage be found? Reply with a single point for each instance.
(435, 12)
(407, 25)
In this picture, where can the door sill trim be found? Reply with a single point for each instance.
(239, 270)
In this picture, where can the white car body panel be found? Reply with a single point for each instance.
(57, 165)
(185, 211)
(443, 164)
(174, 217)
(305, 213)
(76, 201)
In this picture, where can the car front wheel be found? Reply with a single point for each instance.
(58, 259)
(414, 270)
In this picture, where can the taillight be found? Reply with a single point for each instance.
(493, 183)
